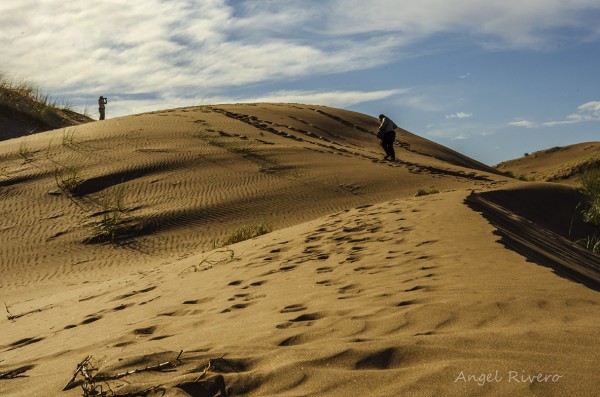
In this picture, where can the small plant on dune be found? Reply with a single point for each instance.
(114, 216)
(24, 151)
(68, 178)
(509, 174)
(591, 243)
(68, 136)
(423, 192)
(589, 186)
(243, 233)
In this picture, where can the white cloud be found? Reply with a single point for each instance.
(459, 115)
(177, 49)
(333, 98)
(589, 111)
(460, 137)
(523, 124)
(514, 23)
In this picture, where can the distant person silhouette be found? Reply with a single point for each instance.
(387, 134)
(101, 102)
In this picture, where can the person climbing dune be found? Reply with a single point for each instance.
(387, 135)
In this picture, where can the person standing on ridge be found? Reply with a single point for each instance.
(101, 102)
(387, 134)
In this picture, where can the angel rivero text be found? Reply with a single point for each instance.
(510, 377)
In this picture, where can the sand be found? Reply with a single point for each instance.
(561, 164)
(360, 289)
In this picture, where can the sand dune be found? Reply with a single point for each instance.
(558, 164)
(360, 289)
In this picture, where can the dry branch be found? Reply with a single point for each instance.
(80, 367)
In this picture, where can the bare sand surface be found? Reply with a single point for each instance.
(361, 289)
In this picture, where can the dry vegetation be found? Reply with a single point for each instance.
(589, 186)
(22, 100)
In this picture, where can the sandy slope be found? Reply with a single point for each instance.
(361, 290)
(560, 164)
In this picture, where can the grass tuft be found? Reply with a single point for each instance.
(114, 217)
(591, 243)
(243, 233)
(28, 101)
(68, 178)
(423, 192)
(589, 186)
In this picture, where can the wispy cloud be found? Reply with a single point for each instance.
(589, 111)
(459, 115)
(523, 124)
(513, 23)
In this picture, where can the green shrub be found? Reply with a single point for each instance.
(591, 243)
(589, 186)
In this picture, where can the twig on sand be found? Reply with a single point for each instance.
(92, 388)
(208, 368)
(13, 317)
(8, 313)
(157, 367)
(81, 366)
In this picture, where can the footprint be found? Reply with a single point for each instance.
(161, 337)
(291, 341)
(132, 293)
(378, 360)
(237, 306)
(427, 242)
(417, 288)
(258, 283)
(90, 320)
(145, 331)
(324, 270)
(123, 344)
(293, 308)
(425, 333)
(307, 317)
(24, 342)
(17, 372)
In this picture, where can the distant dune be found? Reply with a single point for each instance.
(376, 278)
(558, 164)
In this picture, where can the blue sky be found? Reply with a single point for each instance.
(492, 80)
